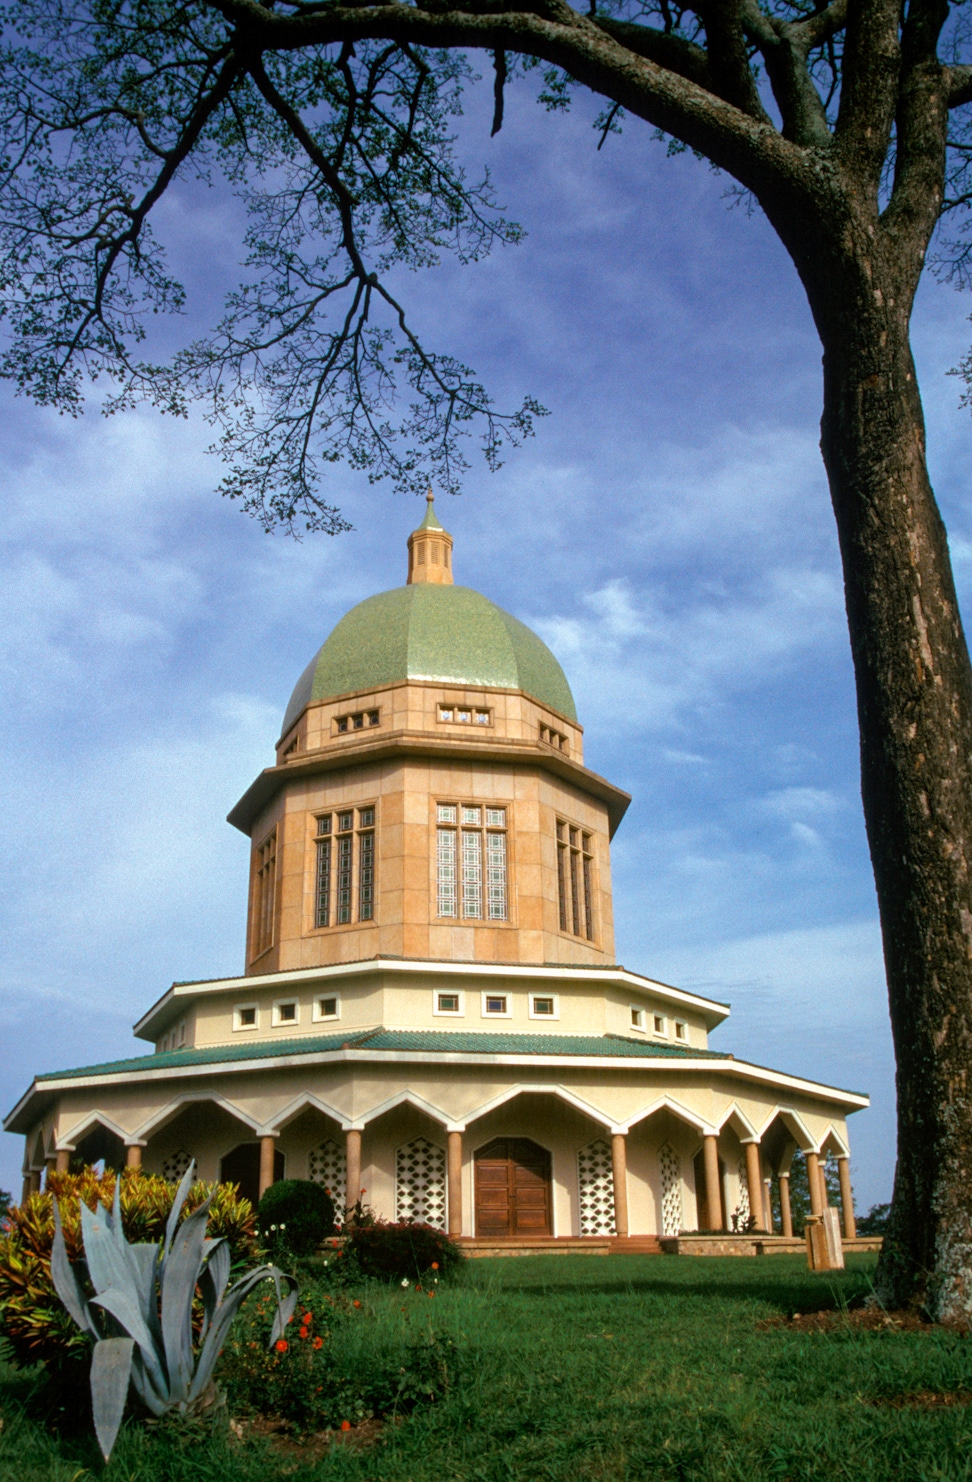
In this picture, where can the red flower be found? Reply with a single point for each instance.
(356, 1303)
(307, 1317)
(431, 1294)
(302, 1333)
(318, 1343)
(345, 1425)
(435, 1265)
(281, 1345)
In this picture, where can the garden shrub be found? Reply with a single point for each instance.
(32, 1318)
(337, 1363)
(402, 1251)
(295, 1215)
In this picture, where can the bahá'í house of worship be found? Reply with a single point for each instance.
(431, 1009)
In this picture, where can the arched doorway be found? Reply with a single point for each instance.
(99, 1146)
(512, 1188)
(242, 1166)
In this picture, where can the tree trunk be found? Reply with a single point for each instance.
(914, 700)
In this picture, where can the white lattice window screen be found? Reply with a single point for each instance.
(743, 1191)
(595, 1182)
(445, 858)
(175, 1166)
(420, 1183)
(671, 1190)
(327, 1166)
(472, 872)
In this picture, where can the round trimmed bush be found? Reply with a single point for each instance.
(296, 1215)
(404, 1250)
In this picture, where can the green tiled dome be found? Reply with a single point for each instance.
(446, 633)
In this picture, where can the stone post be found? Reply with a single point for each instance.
(813, 1181)
(768, 1205)
(754, 1183)
(63, 1163)
(133, 1157)
(786, 1218)
(619, 1165)
(846, 1199)
(454, 1190)
(352, 1152)
(267, 1147)
(713, 1194)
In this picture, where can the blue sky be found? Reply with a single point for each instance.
(668, 532)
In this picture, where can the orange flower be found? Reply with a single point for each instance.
(355, 1303)
(431, 1294)
(318, 1343)
(302, 1333)
(281, 1345)
(435, 1265)
(307, 1317)
(345, 1425)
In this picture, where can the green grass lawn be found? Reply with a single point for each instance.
(578, 1369)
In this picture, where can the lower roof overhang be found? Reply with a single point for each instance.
(177, 1066)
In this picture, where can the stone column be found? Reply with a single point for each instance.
(25, 1189)
(786, 1218)
(454, 1191)
(619, 1165)
(846, 1199)
(813, 1180)
(63, 1160)
(35, 1179)
(754, 1183)
(49, 1165)
(133, 1157)
(713, 1194)
(267, 1147)
(822, 1175)
(352, 1153)
(768, 1205)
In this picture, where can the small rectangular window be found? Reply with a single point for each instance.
(637, 1018)
(482, 717)
(324, 824)
(472, 815)
(373, 717)
(327, 1007)
(286, 1012)
(366, 817)
(345, 822)
(660, 1024)
(496, 1004)
(342, 724)
(245, 1016)
(464, 715)
(681, 1029)
(446, 813)
(445, 713)
(357, 722)
(544, 1006)
(448, 1003)
(182, 1032)
(495, 817)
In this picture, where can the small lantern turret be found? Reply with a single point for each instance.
(430, 550)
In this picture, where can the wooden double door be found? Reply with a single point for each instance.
(512, 1188)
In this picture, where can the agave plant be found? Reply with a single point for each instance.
(148, 1292)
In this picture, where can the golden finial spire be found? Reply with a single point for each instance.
(430, 550)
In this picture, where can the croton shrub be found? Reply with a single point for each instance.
(32, 1318)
